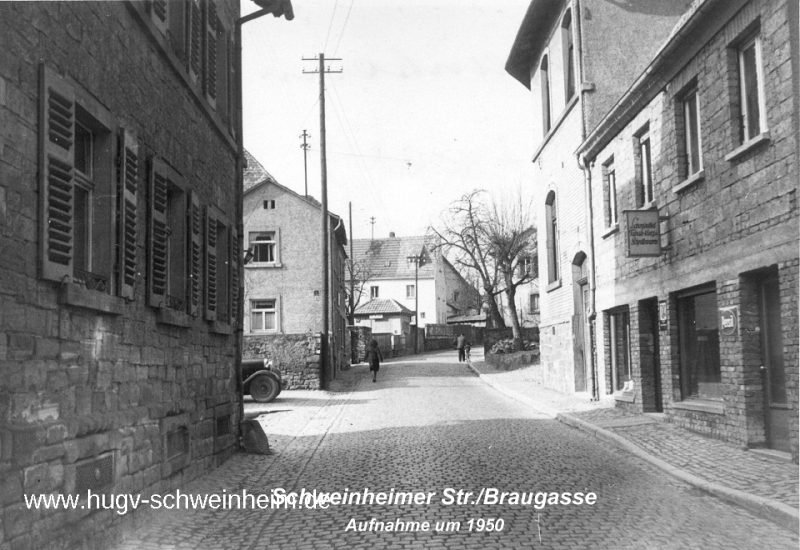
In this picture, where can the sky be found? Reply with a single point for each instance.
(422, 113)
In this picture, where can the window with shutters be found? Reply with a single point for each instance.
(222, 269)
(210, 49)
(77, 186)
(168, 238)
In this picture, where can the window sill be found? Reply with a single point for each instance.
(747, 146)
(218, 327)
(171, 317)
(546, 139)
(649, 206)
(610, 231)
(253, 265)
(554, 285)
(690, 181)
(93, 300)
(625, 397)
(700, 405)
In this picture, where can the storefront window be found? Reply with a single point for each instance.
(699, 343)
(619, 332)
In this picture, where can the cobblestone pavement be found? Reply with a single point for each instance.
(429, 425)
(713, 460)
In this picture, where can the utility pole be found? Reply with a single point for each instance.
(305, 147)
(324, 196)
(351, 317)
(372, 221)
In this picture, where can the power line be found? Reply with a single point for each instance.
(341, 34)
(330, 26)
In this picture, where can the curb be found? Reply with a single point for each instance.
(773, 510)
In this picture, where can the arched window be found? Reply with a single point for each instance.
(544, 71)
(551, 219)
(568, 47)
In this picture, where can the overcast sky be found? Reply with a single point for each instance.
(423, 112)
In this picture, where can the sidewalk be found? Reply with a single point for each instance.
(763, 485)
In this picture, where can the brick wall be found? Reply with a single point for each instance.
(79, 385)
(734, 223)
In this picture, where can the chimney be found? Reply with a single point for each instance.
(391, 234)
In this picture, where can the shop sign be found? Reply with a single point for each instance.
(729, 320)
(379, 316)
(662, 315)
(642, 233)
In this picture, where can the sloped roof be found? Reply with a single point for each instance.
(254, 172)
(382, 306)
(388, 258)
(256, 176)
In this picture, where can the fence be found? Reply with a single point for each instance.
(437, 335)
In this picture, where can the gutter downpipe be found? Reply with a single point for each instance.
(238, 343)
(587, 179)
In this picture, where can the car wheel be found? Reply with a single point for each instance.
(264, 388)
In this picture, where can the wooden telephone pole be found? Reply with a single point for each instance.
(305, 147)
(321, 70)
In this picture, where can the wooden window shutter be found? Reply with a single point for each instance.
(158, 229)
(195, 253)
(129, 196)
(195, 36)
(234, 266)
(57, 120)
(159, 14)
(211, 264)
(210, 74)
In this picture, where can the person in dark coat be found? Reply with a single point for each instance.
(460, 341)
(375, 359)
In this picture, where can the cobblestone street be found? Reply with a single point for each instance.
(430, 424)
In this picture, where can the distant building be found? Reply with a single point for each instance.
(694, 176)
(283, 280)
(577, 58)
(390, 323)
(390, 274)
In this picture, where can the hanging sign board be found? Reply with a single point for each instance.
(642, 233)
(729, 320)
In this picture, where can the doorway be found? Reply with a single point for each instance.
(581, 350)
(777, 413)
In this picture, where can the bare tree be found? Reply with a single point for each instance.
(359, 274)
(462, 236)
(512, 244)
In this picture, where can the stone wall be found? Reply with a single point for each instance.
(89, 380)
(360, 337)
(293, 354)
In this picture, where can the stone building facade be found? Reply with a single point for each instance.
(568, 53)
(120, 264)
(283, 281)
(703, 150)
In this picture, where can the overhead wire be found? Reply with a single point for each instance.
(330, 25)
(341, 33)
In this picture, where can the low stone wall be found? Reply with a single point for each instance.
(512, 361)
(294, 354)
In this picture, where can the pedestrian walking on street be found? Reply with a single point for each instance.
(375, 359)
(460, 342)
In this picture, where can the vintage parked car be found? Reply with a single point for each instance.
(261, 379)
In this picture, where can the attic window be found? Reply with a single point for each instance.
(269, 205)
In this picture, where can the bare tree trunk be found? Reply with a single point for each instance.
(494, 312)
(511, 294)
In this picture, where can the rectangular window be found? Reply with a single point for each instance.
(645, 171)
(692, 140)
(534, 303)
(411, 291)
(610, 184)
(455, 296)
(77, 187)
(545, 84)
(263, 316)
(373, 292)
(269, 204)
(168, 241)
(620, 351)
(699, 345)
(264, 247)
(751, 92)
